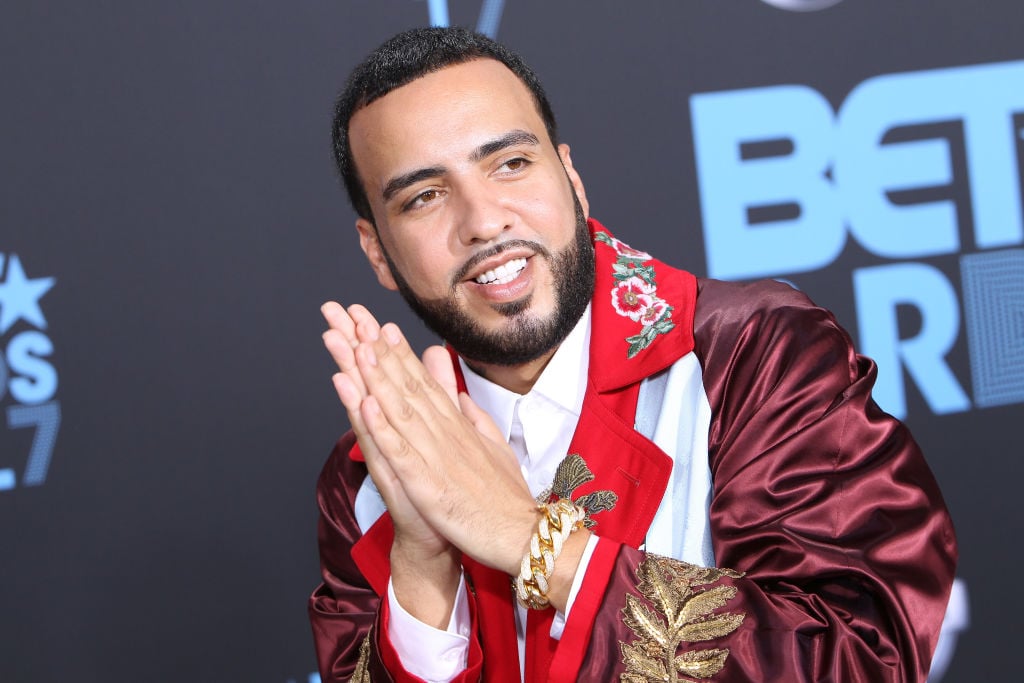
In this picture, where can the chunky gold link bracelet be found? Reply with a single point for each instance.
(558, 520)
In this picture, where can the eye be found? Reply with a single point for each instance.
(516, 164)
(422, 199)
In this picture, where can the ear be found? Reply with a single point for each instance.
(574, 178)
(370, 242)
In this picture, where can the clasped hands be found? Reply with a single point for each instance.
(443, 468)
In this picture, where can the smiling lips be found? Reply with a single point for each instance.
(503, 274)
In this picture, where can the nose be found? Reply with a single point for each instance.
(483, 215)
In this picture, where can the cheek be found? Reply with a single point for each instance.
(548, 212)
(427, 267)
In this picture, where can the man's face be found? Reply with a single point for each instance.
(480, 221)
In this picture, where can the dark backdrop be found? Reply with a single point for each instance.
(170, 222)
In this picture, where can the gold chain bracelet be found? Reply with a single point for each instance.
(558, 520)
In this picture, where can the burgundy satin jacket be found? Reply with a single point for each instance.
(836, 551)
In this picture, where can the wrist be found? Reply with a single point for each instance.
(522, 531)
(426, 583)
(560, 583)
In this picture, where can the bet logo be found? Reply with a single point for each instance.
(28, 379)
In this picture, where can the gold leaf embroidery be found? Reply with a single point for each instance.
(703, 604)
(706, 629)
(650, 665)
(644, 622)
(701, 663)
(362, 672)
(677, 614)
(572, 473)
(662, 593)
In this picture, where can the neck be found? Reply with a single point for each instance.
(516, 378)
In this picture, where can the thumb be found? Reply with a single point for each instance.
(438, 363)
(480, 419)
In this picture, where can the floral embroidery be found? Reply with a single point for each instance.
(632, 298)
(622, 248)
(680, 614)
(635, 294)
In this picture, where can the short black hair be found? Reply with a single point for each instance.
(401, 60)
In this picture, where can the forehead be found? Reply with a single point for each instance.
(441, 116)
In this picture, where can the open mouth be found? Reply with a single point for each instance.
(505, 273)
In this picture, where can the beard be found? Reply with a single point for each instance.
(526, 336)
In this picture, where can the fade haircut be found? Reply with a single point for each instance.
(401, 60)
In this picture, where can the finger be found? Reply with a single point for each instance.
(341, 351)
(344, 356)
(480, 419)
(367, 327)
(350, 395)
(384, 477)
(412, 401)
(408, 376)
(392, 446)
(385, 470)
(438, 363)
(380, 470)
(489, 430)
(338, 319)
(351, 391)
(352, 399)
(340, 340)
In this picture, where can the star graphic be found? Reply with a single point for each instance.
(19, 296)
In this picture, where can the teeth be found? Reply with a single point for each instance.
(507, 272)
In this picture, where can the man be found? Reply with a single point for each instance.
(631, 428)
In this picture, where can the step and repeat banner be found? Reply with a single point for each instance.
(170, 221)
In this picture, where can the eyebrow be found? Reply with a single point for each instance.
(509, 139)
(399, 183)
(513, 137)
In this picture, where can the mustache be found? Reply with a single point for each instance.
(481, 256)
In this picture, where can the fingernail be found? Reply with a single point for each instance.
(392, 334)
(371, 357)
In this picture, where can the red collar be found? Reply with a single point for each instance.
(642, 313)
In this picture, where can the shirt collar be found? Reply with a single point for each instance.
(563, 381)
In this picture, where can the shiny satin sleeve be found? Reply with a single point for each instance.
(840, 550)
(347, 614)
(344, 609)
